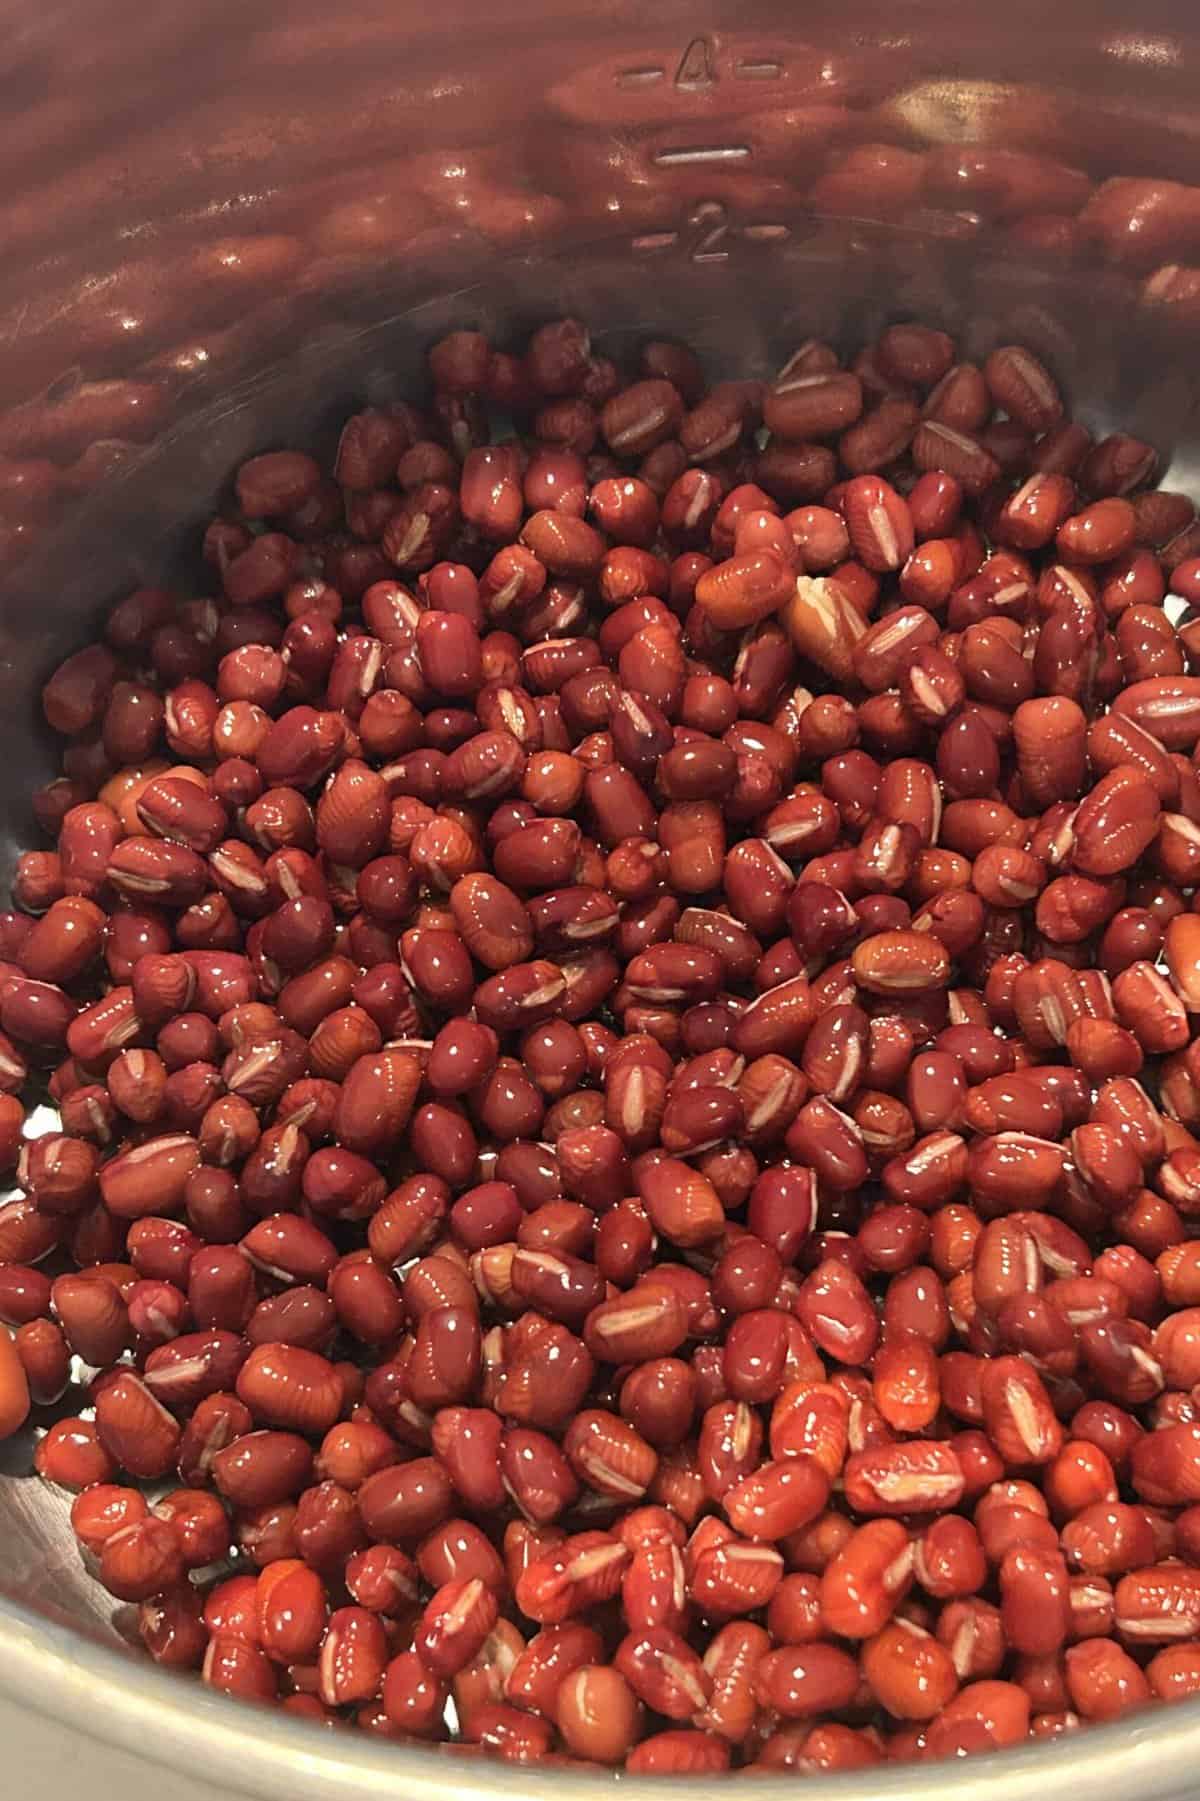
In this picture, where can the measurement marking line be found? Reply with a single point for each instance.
(656, 240)
(707, 153)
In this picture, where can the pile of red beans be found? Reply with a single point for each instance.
(620, 1008)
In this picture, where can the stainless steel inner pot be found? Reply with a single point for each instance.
(224, 226)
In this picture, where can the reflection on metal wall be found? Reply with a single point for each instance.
(190, 191)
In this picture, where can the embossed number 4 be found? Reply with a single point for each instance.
(696, 68)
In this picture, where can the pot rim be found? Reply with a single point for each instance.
(177, 1722)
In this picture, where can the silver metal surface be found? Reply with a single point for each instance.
(223, 226)
(178, 1726)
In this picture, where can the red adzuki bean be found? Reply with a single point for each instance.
(623, 1048)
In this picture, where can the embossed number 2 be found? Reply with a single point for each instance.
(710, 227)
